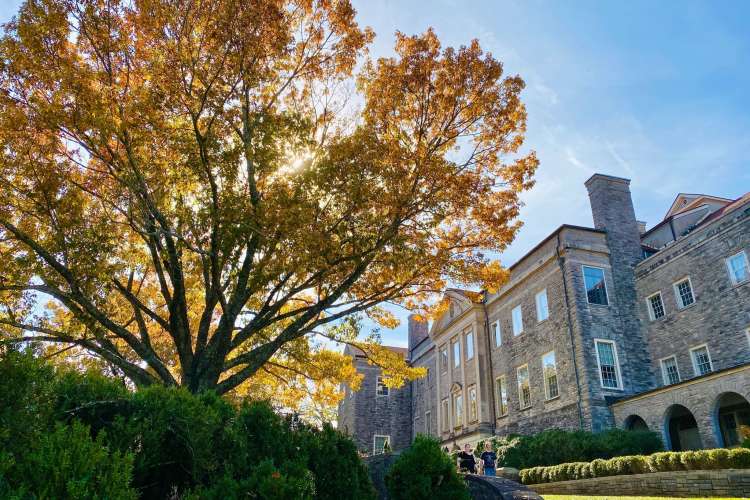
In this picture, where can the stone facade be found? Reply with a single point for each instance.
(582, 298)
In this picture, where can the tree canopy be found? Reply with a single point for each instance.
(193, 190)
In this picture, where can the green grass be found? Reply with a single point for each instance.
(606, 497)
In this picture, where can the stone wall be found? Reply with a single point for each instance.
(718, 483)
(378, 466)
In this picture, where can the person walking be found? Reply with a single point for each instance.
(466, 460)
(488, 458)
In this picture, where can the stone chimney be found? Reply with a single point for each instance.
(417, 331)
(612, 208)
(641, 226)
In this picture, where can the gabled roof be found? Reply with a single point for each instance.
(686, 201)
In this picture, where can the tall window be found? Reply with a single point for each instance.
(469, 346)
(473, 404)
(542, 311)
(739, 270)
(669, 371)
(655, 306)
(382, 389)
(458, 410)
(428, 423)
(456, 353)
(701, 360)
(549, 367)
(517, 320)
(524, 387)
(609, 371)
(444, 359)
(379, 444)
(596, 286)
(445, 417)
(683, 291)
(496, 334)
(502, 396)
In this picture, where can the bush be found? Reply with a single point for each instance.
(424, 472)
(556, 446)
(720, 458)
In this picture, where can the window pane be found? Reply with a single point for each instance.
(444, 358)
(549, 367)
(472, 404)
(684, 293)
(738, 268)
(496, 333)
(596, 288)
(517, 320)
(502, 396)
(469, 346)
(456, 354)
(671, 375)
(382, 389)
(380, 442)
(702, 361)
(458, 410)
(542, 311)
(607, 364)
(657, 307)
(524, 389)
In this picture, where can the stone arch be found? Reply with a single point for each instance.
(635, 423)
(731, 419)
(681, 429)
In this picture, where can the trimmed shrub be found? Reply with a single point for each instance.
(424, 472)
(556, 446)
(720, 458)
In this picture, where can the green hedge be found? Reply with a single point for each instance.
(556, 446)
(721, 458)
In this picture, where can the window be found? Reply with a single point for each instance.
(517, 320)
(609, 369)
(382, 389)
(456, 353)
(683, 291)
(496, 334)
(445, 416)
(524, 388)
(549, 368)
(473, 404)
(542, 311)
(502, 396)
(469, 346)
(444, 358)
(669, 371)
(380, 443)
(428, 423)
(701, 360)
(739, 270)
(596, 286)
(458, 410)
(655, 306)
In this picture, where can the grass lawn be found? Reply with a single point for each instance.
(584, 497)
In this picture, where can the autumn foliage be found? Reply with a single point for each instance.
(193, 190)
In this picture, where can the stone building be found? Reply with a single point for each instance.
(605, 326)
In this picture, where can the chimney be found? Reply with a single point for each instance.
(417, 331)
(641, 226)
(612, 208)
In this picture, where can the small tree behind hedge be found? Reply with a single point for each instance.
(424, 472)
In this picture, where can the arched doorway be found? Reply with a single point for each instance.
(635, 423)
(682, 429)
(732, 419)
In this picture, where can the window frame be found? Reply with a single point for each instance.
(428, 423)
(501, 383)
(473, 414)
(458, 397)
(539, 294)
(604, 280)
(618, 371)
(498, 334)
(678, 297)
(444, 366)
(664, 373)
(469, 348)
(547, 397)
(743, 253)
(649, 306)
(456, 342)
(695, 364)
(520, 390)
(520, 319)
(378, 383)
(375, 438)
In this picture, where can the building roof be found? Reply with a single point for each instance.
(689, 200)
(359, 353)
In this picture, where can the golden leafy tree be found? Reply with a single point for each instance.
(192, 190)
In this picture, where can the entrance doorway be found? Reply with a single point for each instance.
(682, 429)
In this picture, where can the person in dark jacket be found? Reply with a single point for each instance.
(488, 458)
(466, 460)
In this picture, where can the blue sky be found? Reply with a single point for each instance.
(658, 92)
